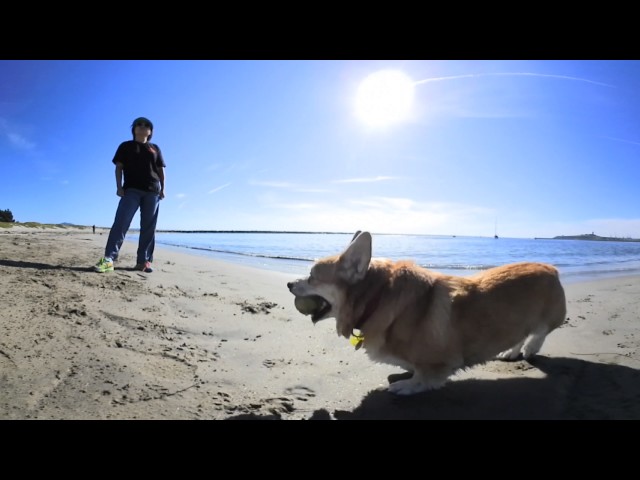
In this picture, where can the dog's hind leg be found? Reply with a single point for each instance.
(528, 347)
(513, 353)
(534, 342)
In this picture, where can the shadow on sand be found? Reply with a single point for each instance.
(42, 266)
(572, 389)
(47, 266)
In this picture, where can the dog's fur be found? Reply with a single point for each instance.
(429, 323)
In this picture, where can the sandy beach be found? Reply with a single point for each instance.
(204, 339)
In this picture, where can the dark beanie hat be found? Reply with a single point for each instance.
(141, 119)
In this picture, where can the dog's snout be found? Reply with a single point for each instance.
(295, 286)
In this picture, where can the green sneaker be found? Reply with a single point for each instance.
(104, 265)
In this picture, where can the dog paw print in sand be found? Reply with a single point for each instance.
(271, 408)
(587, 299)
(511, 367)
(274, 407)
(171, 291)
(260, 307)
(277, 362)
(66, 311)
(300, 392)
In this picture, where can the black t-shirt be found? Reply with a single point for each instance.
(141, 163)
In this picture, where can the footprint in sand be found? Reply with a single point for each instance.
(300, 392)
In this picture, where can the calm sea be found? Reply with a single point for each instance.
(294, 253)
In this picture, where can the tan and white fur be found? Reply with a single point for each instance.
(429, 323)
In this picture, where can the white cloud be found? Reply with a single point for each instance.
(15, 139)
(20, 142)
(512, 74)
(379, 214)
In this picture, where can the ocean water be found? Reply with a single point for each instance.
(294, 253)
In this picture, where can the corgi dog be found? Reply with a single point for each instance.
(429, 323)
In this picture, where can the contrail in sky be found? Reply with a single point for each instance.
(515, 74)
(622, 140)
(379, 178)
(219, 188)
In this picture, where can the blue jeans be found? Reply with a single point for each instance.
(149, 205)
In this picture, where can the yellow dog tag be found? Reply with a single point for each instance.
(356, 340)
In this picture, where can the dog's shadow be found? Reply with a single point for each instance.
(572, 389)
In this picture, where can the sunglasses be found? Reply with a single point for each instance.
(143, 124)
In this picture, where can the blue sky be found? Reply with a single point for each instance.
(538, 148)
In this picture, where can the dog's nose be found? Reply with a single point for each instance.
(289, 285)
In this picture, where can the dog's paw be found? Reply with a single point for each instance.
(412, 386)
(509, 355)
(512, 354)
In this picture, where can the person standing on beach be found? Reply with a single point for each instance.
(142, 164)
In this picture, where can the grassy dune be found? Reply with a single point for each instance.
(42, 226)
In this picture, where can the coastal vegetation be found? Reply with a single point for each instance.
(4, 224)
(592, 237)
(6, 216)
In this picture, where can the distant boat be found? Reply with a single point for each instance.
(495, 230)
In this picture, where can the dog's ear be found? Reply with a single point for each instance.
(354, 261)
(355, 235)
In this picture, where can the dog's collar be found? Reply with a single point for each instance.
(371, 307)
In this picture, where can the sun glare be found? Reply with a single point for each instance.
(384, 97)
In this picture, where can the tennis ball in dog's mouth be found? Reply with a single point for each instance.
(307, 305)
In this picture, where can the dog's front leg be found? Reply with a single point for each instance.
(421, 381)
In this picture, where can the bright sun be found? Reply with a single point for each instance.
(384, 97)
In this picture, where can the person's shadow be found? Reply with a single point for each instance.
(42, 266)
(47, 266)
(570, 389)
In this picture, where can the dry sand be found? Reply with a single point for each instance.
(205, 339)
